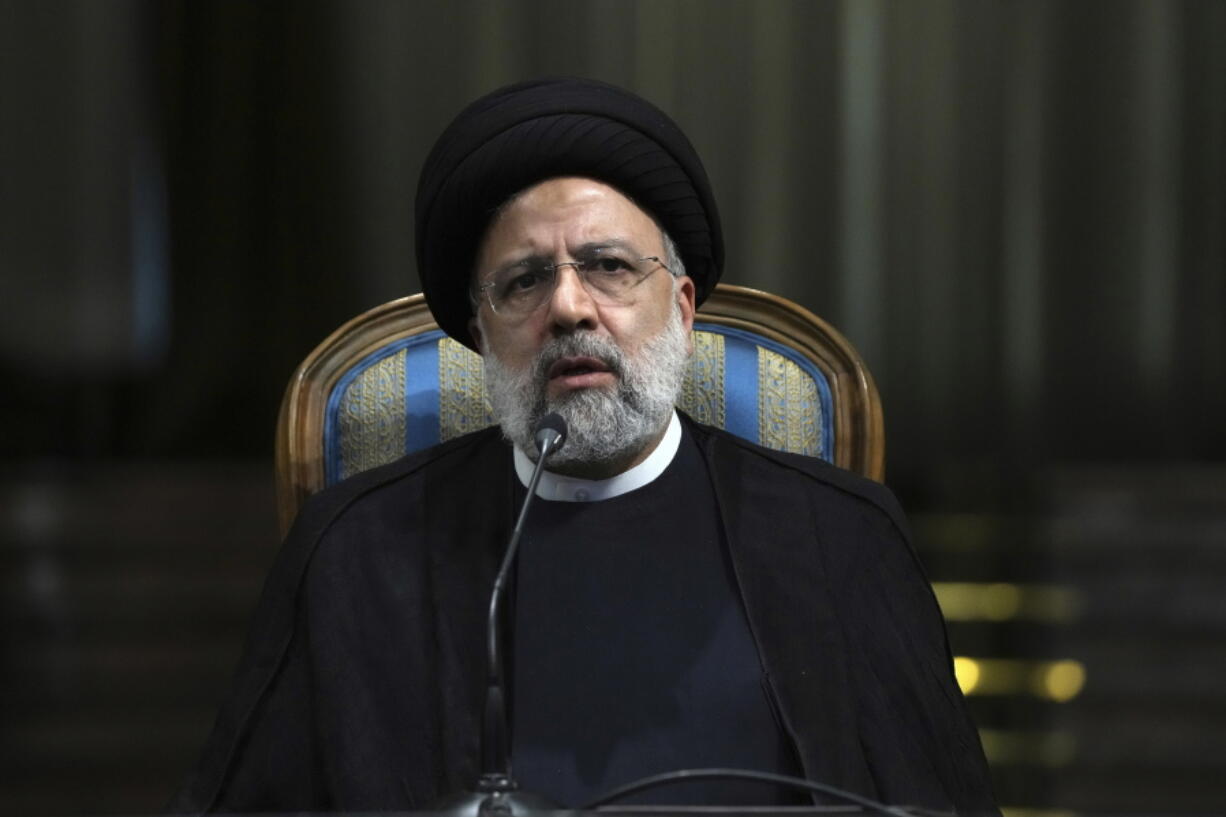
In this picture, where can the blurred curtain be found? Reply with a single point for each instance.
(1015, 209)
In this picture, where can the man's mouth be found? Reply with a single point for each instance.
(580, 372)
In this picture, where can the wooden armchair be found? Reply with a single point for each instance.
(389, 382)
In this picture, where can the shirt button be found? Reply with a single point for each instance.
(582, 495)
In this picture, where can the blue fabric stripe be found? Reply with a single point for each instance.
(332, 437)
(421, 393)
(740, 386)
(823, 394)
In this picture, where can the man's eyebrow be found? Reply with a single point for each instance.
(589, 248)
(606, 244)
(527, 260)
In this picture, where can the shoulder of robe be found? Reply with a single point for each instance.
(470, 451)
(273, 625)
(838, 484)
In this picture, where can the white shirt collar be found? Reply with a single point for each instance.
(562, 488)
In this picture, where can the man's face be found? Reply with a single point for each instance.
(555, 220)
(556, 350)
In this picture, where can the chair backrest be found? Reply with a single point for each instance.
(389, 382)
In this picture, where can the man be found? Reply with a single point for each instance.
(683, 599)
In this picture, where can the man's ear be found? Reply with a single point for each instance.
(684, 293)
(685, 300)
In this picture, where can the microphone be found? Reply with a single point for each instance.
(549, 434)
(497, 791)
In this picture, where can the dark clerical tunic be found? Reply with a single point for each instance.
(632, 652)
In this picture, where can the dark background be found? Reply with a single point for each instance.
(1016, 211)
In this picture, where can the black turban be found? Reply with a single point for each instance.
(541, 129)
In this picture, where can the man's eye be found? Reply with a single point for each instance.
(609, 265)
(520, 284)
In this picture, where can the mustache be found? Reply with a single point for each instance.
(579, 345)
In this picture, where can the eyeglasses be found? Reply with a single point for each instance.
(609, 276)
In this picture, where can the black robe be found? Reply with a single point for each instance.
(363, 676)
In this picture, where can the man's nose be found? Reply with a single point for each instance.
(571, 306)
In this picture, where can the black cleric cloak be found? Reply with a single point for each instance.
(363, 678)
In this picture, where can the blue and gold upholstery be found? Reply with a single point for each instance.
(412, 394)
(390, 383)
(428, 388)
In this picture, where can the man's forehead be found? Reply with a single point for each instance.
(573, 211)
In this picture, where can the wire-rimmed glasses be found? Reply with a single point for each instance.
(609, 275)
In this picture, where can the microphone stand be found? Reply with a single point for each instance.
(497, 791)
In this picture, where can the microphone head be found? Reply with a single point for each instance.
(550, 432)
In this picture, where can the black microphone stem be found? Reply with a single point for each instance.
(497, 753)
(497, 793)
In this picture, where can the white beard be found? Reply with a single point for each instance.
(604, 426)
